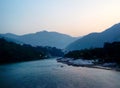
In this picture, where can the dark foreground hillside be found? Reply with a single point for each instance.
(109, 53)
(12, 52)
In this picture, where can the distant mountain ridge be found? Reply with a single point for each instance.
(10, 39)
(43, 38)
(94, 40)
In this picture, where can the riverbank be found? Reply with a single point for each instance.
(89, 64)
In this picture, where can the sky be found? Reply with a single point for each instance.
(73, 17)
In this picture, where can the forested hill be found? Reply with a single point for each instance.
(12, 52)
(109, 53)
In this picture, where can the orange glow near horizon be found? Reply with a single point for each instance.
(73, 17)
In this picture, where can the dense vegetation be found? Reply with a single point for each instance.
(12, 52)
(109, 53)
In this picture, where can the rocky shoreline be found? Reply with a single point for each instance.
(88, 63)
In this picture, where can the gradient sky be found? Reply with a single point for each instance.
(73, 17)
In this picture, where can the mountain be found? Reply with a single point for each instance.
(44, 38)
(11, 52)
(10, 38)
(94, 40)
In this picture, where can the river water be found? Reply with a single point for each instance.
(51, 74)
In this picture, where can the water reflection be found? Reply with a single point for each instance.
(50, 74)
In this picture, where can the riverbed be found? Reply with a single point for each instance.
(51, 74)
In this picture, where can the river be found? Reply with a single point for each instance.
(51, 74)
